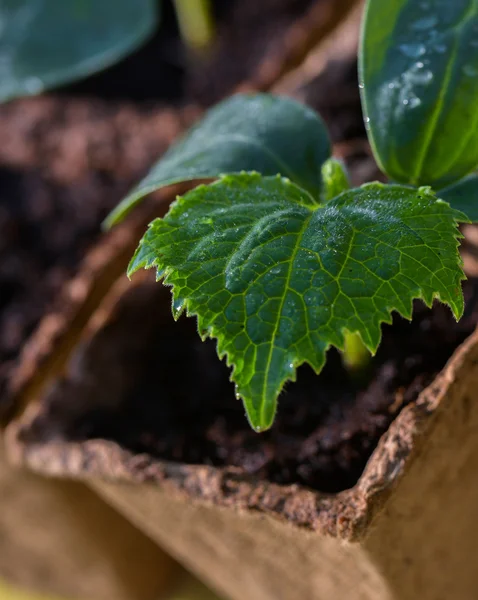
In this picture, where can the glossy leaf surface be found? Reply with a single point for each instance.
(278, 279)
(45, 43)
(419, 72)
(264, 133)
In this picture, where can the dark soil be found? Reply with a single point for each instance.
(67, 159)
(180, 406)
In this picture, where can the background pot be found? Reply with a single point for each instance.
(58, 537)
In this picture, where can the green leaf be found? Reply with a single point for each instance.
(45, 43)
(335, 179)
(264, 133)
(277, 279)
(463, 196)
(419, 79)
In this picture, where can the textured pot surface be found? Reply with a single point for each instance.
(59, 537)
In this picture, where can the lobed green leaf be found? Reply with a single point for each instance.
(46, 43)
(419, 74)
(264, 133)
(278, 280)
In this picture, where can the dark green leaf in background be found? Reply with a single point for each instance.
(419, 72)
(45, 43)
(278, 279)
(463, 196)
(264, 133)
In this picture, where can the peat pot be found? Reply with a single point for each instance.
(58, 537)
(405, 529)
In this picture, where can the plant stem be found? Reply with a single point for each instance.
(355, 356)
(196, 23)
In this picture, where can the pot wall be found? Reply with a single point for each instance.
(58, 537)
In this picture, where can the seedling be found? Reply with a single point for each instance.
(278, 258)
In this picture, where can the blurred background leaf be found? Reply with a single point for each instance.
(45, 43)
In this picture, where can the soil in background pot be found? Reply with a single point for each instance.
(69, 157)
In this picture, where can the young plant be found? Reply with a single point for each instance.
(278, 258)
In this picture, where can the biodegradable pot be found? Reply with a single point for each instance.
(406, 530)
(59, 537)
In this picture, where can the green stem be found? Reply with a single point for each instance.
(355, 356)
(196, 23)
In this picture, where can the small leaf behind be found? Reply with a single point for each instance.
(264, 133)
(277, 280)
(46, 43)
(419, 72)
(463, 196)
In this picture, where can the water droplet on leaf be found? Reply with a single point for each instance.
(413, 102)
(425, 23)
(440, 48)
(412, 50)
(470, 70)
(178, 307)
(34, 85)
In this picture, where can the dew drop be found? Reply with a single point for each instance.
(470, 70)
(33, 85)
(419, 65)
(178, 307)
(425, 23)
(391, 85)
(291, 365)
(421, 77)
(414, 102)
(412, 50)
(361, 86)
(440, 48)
